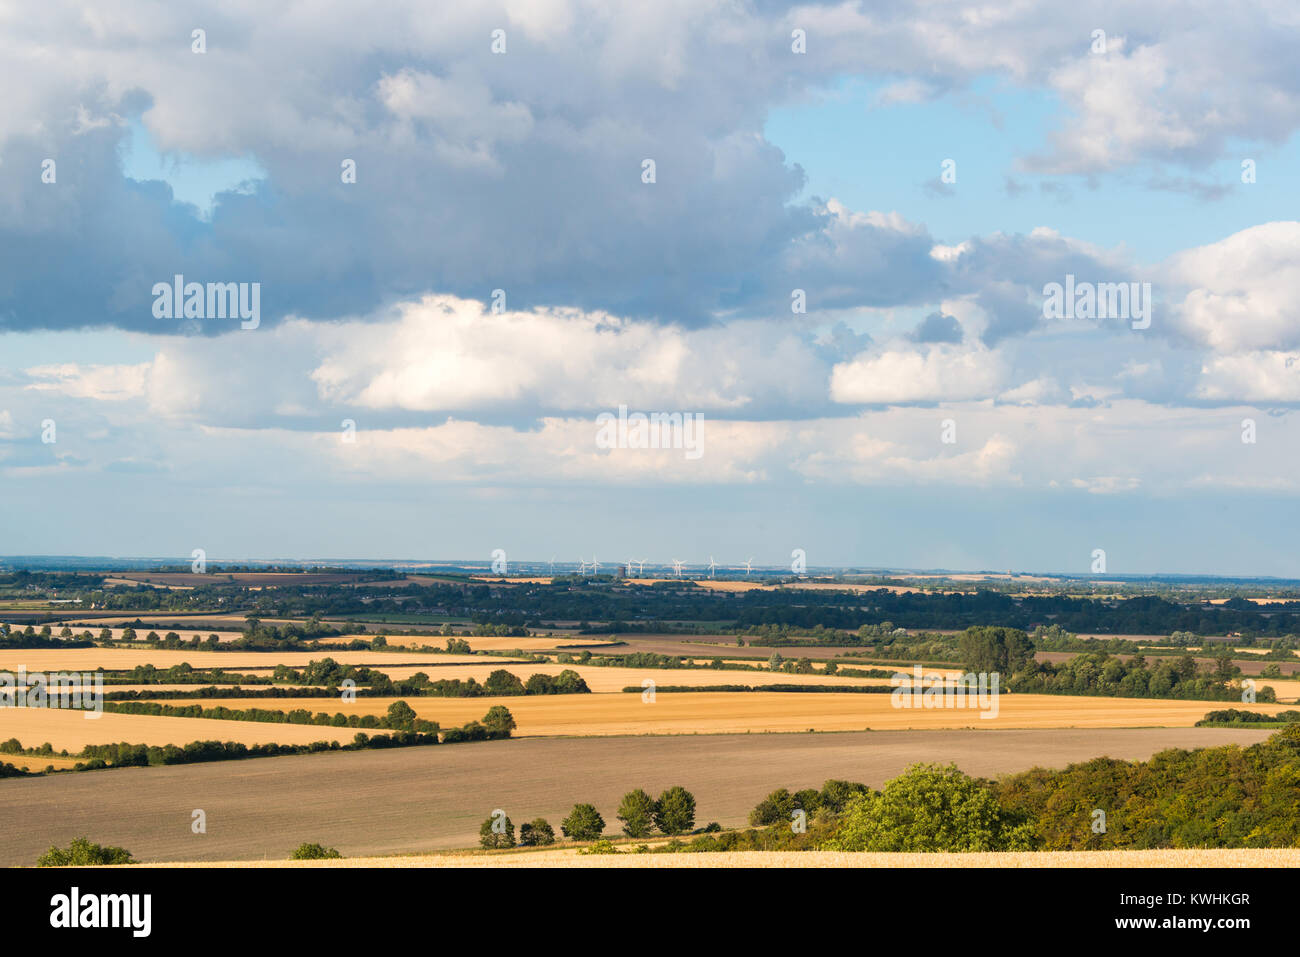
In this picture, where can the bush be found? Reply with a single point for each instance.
(584, 823)
(600, 847)
(314, 852)
(538, 833)
(82, 853)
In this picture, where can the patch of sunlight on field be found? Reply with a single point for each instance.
(740, 712)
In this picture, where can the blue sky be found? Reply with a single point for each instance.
(436, 338)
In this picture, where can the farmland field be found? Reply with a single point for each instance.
(72, 730)
(762, 711)
(414, 799)
(124, 659)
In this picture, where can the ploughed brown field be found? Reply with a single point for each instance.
(422, 799)
(759, 711)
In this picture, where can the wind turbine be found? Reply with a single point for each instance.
(677, 564)
(595, 565)
(640, 566)
(629, 563)
(583, 569)
(749, 566)
(712, 566)
(552, 564)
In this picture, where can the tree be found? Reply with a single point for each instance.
(497, 832)
(773, 809)
(400, 715)
(501, 683)
(584, 823)
(929, 808)
(637, 812)
(537, 833)
(675, 811)
(987, 650)
(836, 794)
(499, 721)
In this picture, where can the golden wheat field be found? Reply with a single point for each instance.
(761, 711)
(124, 659)
(72, 730)
(609, 680)
(186, 633)
(569, 857)
(482, 643)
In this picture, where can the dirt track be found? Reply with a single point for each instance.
(379, 802)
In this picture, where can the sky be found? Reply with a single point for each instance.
(827, 234)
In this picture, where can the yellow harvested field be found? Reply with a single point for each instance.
(38, 762)
(169, 622)
(124, 659)
(759, 711)
(72, 730)
(207, 684)
(569, 857)
(541, 643)
(1286, 689)
(185, 633)
(608, 680)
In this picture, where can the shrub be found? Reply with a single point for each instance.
(82, 853)
(537, 833)
(314, 852)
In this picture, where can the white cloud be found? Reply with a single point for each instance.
(939, 373)
(1241, 291)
